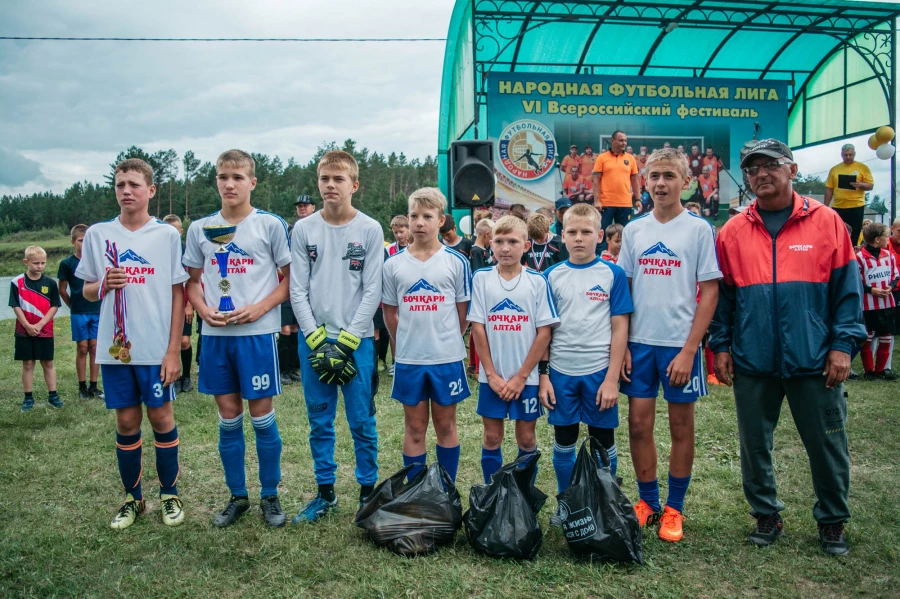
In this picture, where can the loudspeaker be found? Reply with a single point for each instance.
(472, 171)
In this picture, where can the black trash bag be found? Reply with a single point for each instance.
(502, 517)
(415, 517)
(597, 518)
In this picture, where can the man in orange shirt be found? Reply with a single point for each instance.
(573, 159)
(616, 182)
(573, 185)
(587, 164)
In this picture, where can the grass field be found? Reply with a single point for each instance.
(59, 488)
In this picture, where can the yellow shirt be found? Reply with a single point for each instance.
(849, 198)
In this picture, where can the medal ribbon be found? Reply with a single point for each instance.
(537, 265)
(120, 307)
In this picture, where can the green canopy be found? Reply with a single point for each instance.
(836, 55)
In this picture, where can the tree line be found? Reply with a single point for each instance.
(187, 187)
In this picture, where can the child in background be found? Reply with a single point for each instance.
(451, 238)
(426, 295)
(184, 383)
(880, 277)
(383, 340)
(85, 318)
(579, 376)
(511, 312)
(693, 207)
(482, 257)
(34, 297)
(614, 243)
(545, 248)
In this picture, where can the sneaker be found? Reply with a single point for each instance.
(295, 375)
(886, 375)
(176, 386)
(391, 370)
(55, 401)
(172, 512)
(768, 528)
(711, 379)
(272, 512)
(670, 525)
(96, 392)
(84, 394)
(868, 375)
(286, 379)
(832, 539)
(853, 376)
(27, 404)
(186, 384)
(236, 506)
(645, 514)
(315, 509)
(128, 513)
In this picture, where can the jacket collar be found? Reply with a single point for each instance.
(802, 208)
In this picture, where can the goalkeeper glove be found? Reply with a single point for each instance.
(316, 339)
(333, 362)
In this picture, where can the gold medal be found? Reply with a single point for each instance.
(124, 355)
(114, 350)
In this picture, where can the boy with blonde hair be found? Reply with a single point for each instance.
(426, 295)
(34, 298)
(133, 265)
(544, 248)
(335, 289)
(579, 375)
(239, 360)
(84, 320)
(512, 311)
(666, 255)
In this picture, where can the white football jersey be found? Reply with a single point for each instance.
(665, 261)
(259, 247)
(511, 318)
(151, 256)
(587, 297)
(426, 294)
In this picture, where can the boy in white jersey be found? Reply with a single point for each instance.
(666, 255)
(239, 359)
(426, 294)
(335, 290)
(511, 313)
(581, 381)
(133, 265)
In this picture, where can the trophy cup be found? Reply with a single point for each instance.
(222, 234)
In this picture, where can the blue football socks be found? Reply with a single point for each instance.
(677, 490)
(491, 461)
(268, 451)
(231, 450)
(167, 461)
(409, 460)
(563, 465)
(448, 457)
(649, 492)
(128, 454)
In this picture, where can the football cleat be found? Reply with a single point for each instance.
(315, 509)
(645, 514)
(670, 528)
(235, 508)
(128, 513)
(272, 512)
(172, 512)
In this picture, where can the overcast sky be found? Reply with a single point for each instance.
(67, 108)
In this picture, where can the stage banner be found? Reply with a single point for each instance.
(549, 129)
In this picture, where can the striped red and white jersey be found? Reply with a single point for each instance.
(879, 273)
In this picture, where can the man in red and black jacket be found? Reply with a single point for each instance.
(789, 314)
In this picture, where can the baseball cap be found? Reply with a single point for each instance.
(304, 199)
(573, 146)
(768, 147)
(563, 202)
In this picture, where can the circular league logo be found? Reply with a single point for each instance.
(527, 150)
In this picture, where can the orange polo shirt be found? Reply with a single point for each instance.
(587, 165)
(569, 161)
(615, 184)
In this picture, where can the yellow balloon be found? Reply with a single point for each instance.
(873, 142)
(884, 134)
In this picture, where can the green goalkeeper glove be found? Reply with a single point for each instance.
(333, 362)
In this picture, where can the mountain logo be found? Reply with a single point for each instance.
(234, 249)
(598, 289)
(659, 248)
(507, 304)
(127, 255)
(421, 285)
(597, 294)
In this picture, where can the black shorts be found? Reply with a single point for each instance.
(33, 348)
(880, 322)
(379, 319)
(287, 314)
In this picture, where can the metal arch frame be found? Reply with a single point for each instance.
(794, 38)
(732, 33)
(663, 33)
(590, 39)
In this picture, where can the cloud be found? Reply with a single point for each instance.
(17, 170)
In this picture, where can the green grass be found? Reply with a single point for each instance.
(12, 250)
(59, 488)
